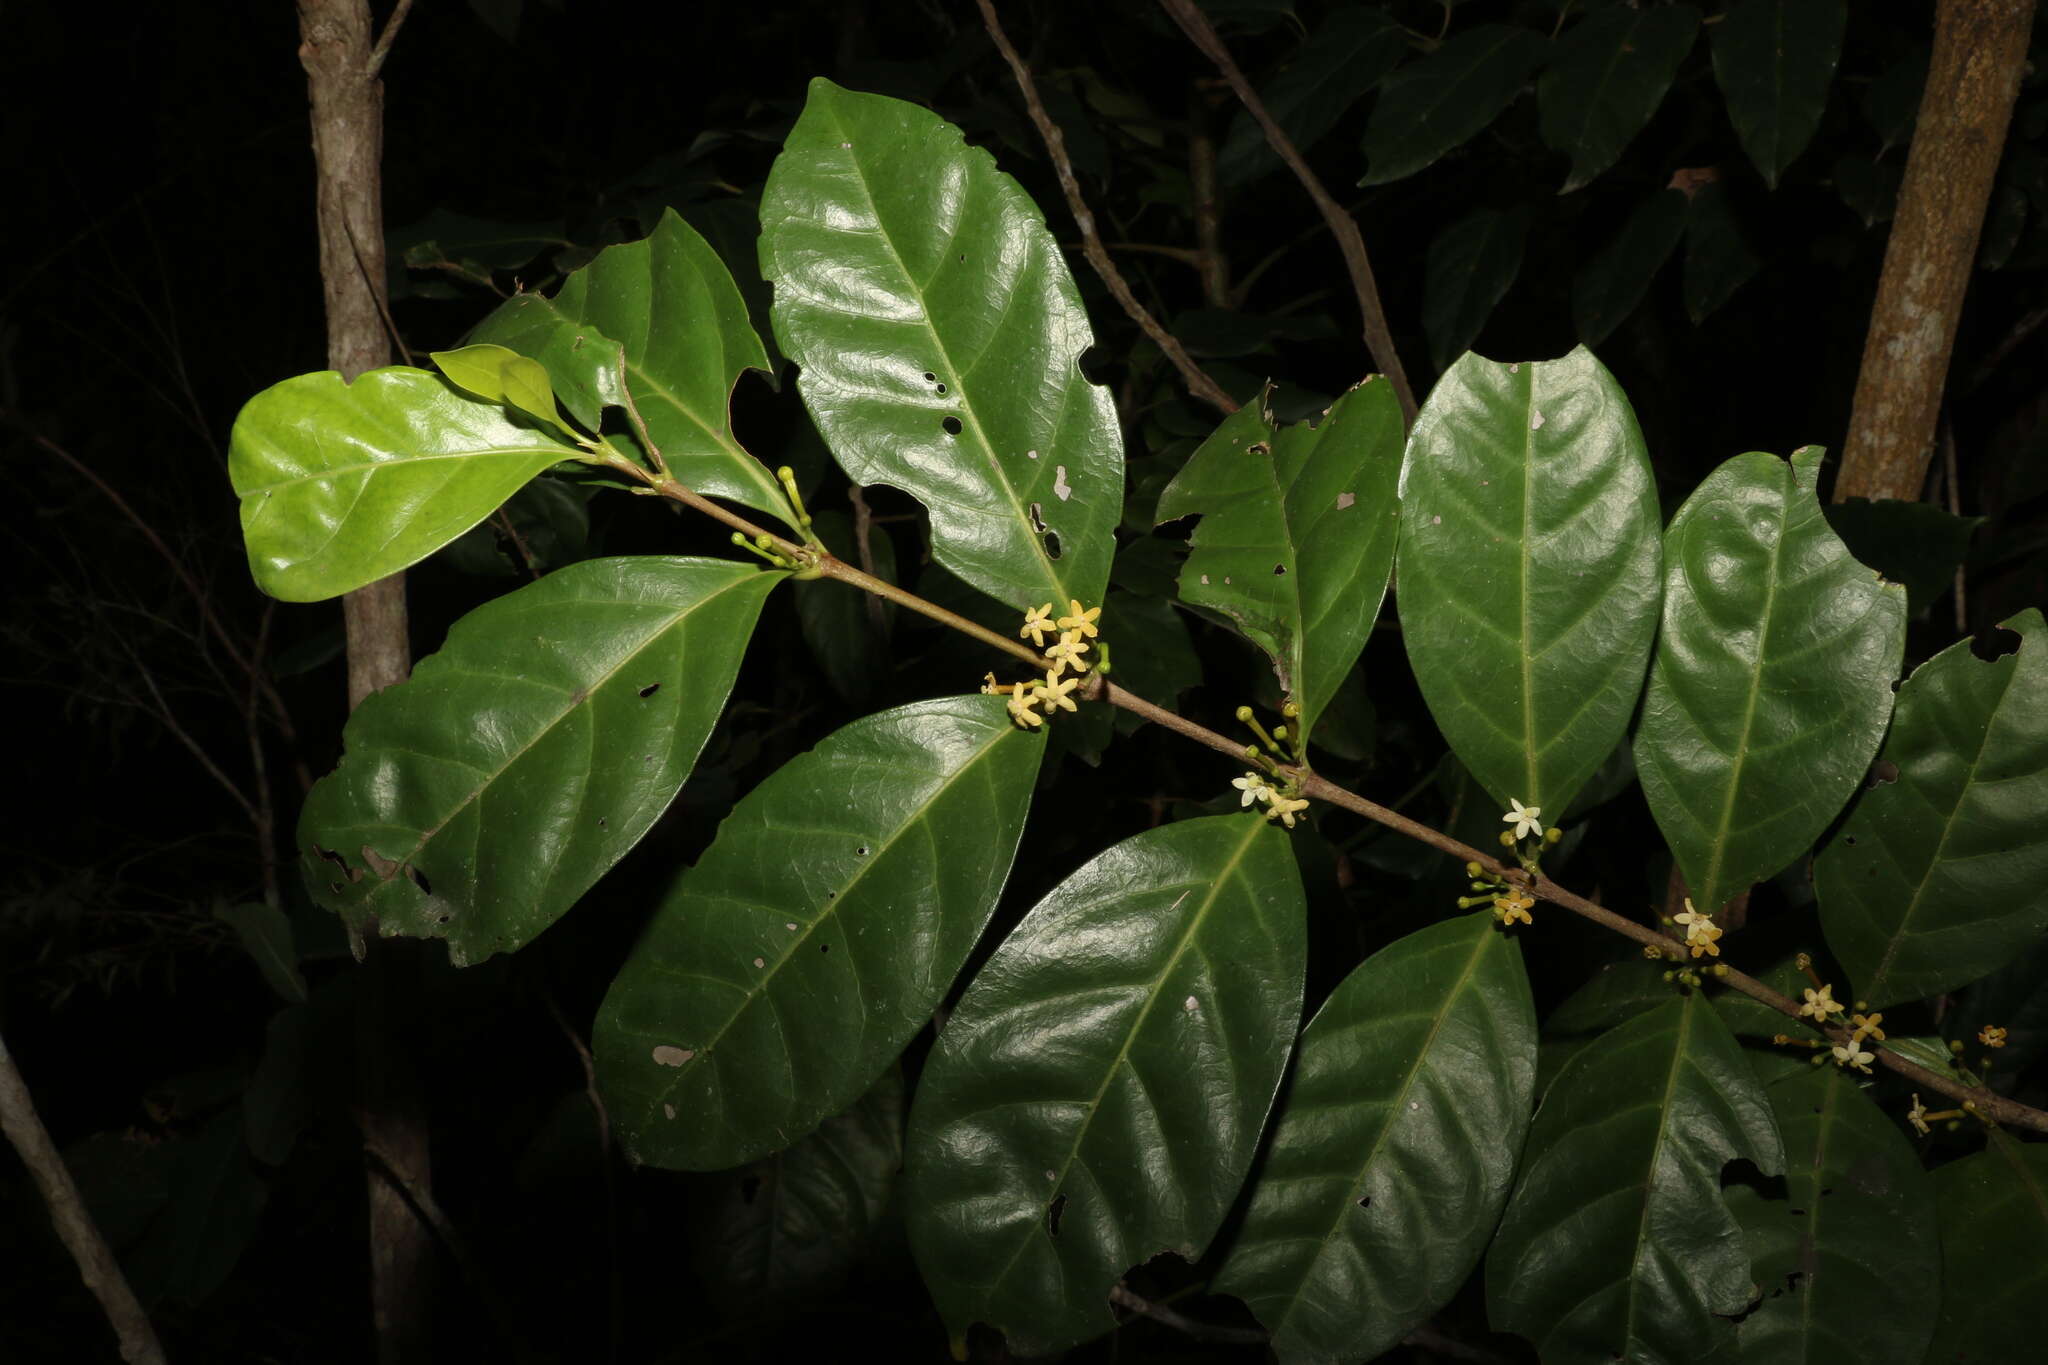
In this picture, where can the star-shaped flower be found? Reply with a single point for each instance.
(1285, 808)
(1076, 619)
(1255, 788)
(1852, 1054)
(1866, 1025)
(1527, 820)
(1700, 931)
(1820, 1004)
(1038, 624)
(1052, 692)
(1512, 905)
(1067, 653)
(1991, 1036)
(1917, 1116)
(1021, 702)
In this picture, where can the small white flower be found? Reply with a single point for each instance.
(1853, 1054)
(1527, 820)
(1254, 787)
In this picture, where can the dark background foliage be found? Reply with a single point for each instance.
(163, 269)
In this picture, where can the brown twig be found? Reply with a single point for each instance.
(1379, 340)
(73, 1221)
(1211, 259)
(388, 36)
(1122, 1296)
(1199, 384)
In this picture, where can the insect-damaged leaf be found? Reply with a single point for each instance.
(938, 337)
(1097, 1095)
(816, 935)
(478, 800)
(1297, 533)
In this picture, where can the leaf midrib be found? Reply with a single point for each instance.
(1684, 1031)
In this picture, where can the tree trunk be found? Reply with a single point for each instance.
(342, 61)
(1980, 51)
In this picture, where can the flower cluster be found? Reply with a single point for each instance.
(1700, 931)
(1282, 805)
(1067, 654)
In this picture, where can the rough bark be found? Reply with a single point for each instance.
(1973, 77)
(342, 59)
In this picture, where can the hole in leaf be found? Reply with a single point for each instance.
(1849, 839)
(1365, 1202)
(1883, 771)
(942, 388)
(419, 879)
(1037, 510)
(443, 919)
(824, 947)
(1092, 363)
(861, 852)
(1797, 1213)
(1258, 448)
(1279, 571)
(600, 822)
(952, 426)
(929, 377)
(1052, 545)
(650, 689)
(749, 1187)
(1052, 1214)
(354, 874)
(1825, 1193)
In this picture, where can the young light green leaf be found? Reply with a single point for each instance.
(1718, 261)
(497, 375)
(1993, 1209)
(1469, 267)
(1395, 1145)
(1774, 61)
(1606, 78)
(1608, 287)
(817, 934)
(479, 799)
(1297, 533)
(1617, 1242)
(1773, 677)
(938, 336)
(1528, 570)
(1349, 53)
(1433, 105)
(587, 369)
(344, 484)
(1936, 877)
(1848, 1257)
(1097, 1096)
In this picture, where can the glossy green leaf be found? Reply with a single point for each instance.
(1349, 53)
(938, 336)
(479, 799)
(1097, 1096)
(1470, 265)
(1395, 1145)
(1528, 570)
(498, 375)
(1936, 877)
(816, 935)
(1774, 61)
(1848, 1259)
(789, 1229)
(344, 484)
(666, 304)
(1718, 260)
(1297, 533)
(1994, 1252)
(1617, 1242)
(1431, 106)
(1773, 677)
(1606, 78)
(1917, 544)
(1609, 286)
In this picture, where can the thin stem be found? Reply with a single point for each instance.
(1199, 384)
(1379, 340)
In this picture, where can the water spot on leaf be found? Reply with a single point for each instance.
(1052, 1214)
(952, 426)
(672, 1056)
(1061, 489)
(1344, 500)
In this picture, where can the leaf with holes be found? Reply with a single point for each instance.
(1431, 106)
(1993, 1209)
(1774, 61)
(1297, 533)
(1395, 1145)
(1935, 879)
(1350, 52)
(816, 935)
(344, 484)
(1773, 677)
(938, 337)
(1097, 1096)
(1470, 266)
(1840, 1256)
(1528, 570)
(478, 800)
(1607, 77)
(1616, 1243)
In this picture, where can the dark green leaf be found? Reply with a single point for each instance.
(1528, 570)
(1616, 992)
(278, 1101)
(2015, 998)
(1848, 1259)
(1774, 61)
(266, 936)
(1869, 188)
(1394, 1147)
(1098, 1094)
(1914, 543)
(1297, 533)
(1718, 260)
(1616, 1242)
(1153, 654)
(1608, 287)
(817, 934)
(1773, 677)
(215, 1203)
(1892, 100)
(1433, 105)
(1348, 54)
(1469, 267)
(478, 800)
(938, 334)
(1936, 877)
(1606, 78)
(344, 484)
(1994, 1252)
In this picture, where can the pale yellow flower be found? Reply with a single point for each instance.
(1991, 1036)
(1067, 653)
(1021, 702)
(1917, 1116)
(1285, 808)
(1527, 820)
(1852, 1054)
(1255, 788)
(1082, 621)
(1052, 692)
(1510, 906)
(1700, 931)
(1866, 1025)
(1038, 624)
(1820, 1004)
